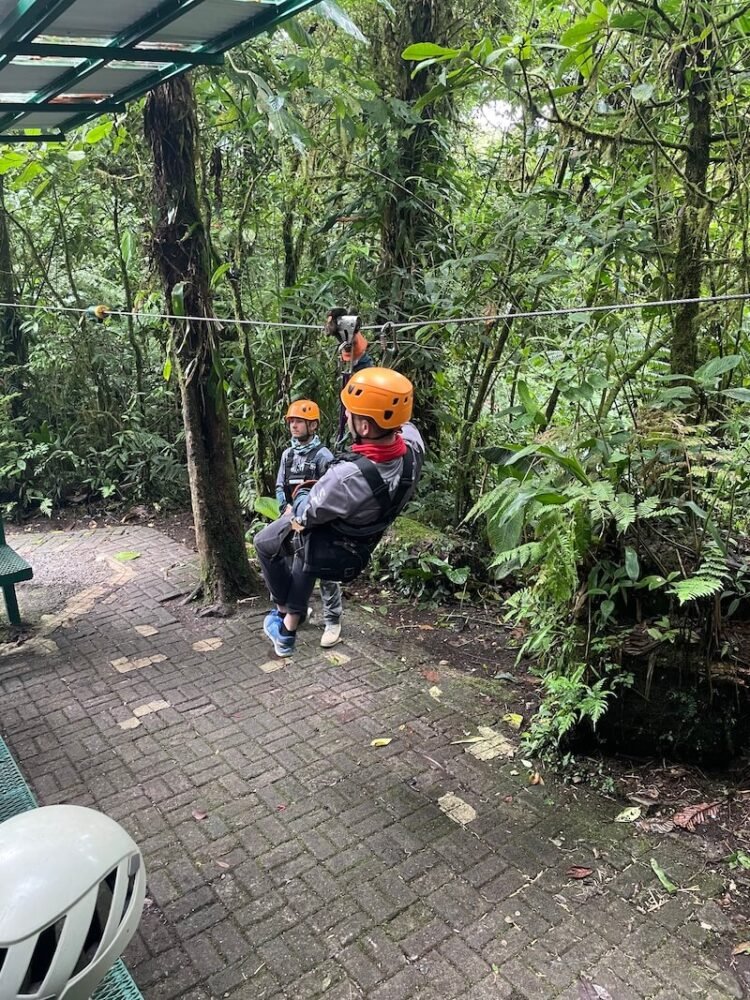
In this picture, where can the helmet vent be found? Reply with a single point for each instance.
(42, 958)
(387, 414)
(128, 895)
(98, 922)
(395, 401)
(3, 953)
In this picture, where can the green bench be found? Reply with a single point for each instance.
(16, 797)
(13, 569)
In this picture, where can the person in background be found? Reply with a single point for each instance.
(339, 519)
(304, 462)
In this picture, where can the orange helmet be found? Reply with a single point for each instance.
(381, 394)
(304, 409)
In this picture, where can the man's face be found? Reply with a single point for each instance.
(299, 428)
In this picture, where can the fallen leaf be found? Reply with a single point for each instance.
(591, 991)
(535, 778)
(326, 983)
(435, 692)
(629, 815)
(382, 742)
(199, 814)
(222, 864)
(430, 675)
(507, 798)
(655, 825)
(426, 628)
(692, 816)
(514, 720)
(471, 739)
(742, 949)
(281, 807)
(662, 876)
(126, 556)
(579, 872)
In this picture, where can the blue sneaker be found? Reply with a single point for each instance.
(274, 613)
(282, 644)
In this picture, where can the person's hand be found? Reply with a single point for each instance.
(289, 510)
(297, 525)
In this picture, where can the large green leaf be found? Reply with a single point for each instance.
(428, 50)
(267, 507)
(716, 367)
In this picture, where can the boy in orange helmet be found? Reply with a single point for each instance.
(340, 519)
(304, 462)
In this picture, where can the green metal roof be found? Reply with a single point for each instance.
(64, 62)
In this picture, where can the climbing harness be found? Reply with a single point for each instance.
(299, 473)
(341, 551)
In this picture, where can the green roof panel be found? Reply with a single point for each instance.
(64, 62)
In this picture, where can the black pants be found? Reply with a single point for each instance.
(281, 556)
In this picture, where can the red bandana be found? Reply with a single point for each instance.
(382, 452)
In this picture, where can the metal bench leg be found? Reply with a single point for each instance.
(11, 604)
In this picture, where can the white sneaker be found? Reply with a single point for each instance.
(331, 635)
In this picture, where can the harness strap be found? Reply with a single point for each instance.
(390, 507)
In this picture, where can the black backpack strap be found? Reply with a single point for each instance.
(390, 507)
(288, 467)
(405, 483)
(375, 481)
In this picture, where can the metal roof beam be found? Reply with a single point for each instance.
(281, 11)
(138, 32)
(119, 53)
(74, 107)
(29, 19)
(15, 137)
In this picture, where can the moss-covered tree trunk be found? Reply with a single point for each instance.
(180, 249)
(13, 345)
(695, 215)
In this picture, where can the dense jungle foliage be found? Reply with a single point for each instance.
(423, 161)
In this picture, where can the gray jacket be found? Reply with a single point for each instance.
(343, 491)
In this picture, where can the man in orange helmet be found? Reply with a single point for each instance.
(302, 463)
(340, 519)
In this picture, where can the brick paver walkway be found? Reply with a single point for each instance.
(287, 857)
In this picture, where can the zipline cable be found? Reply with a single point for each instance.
(408, 325)
(567, 311)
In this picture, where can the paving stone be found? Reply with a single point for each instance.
(324, 868)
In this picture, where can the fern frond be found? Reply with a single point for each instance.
(707, 581)
(528, 554)
(648, 507)
(623, 508)
(696, 587)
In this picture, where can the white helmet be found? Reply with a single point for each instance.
(72, 885)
